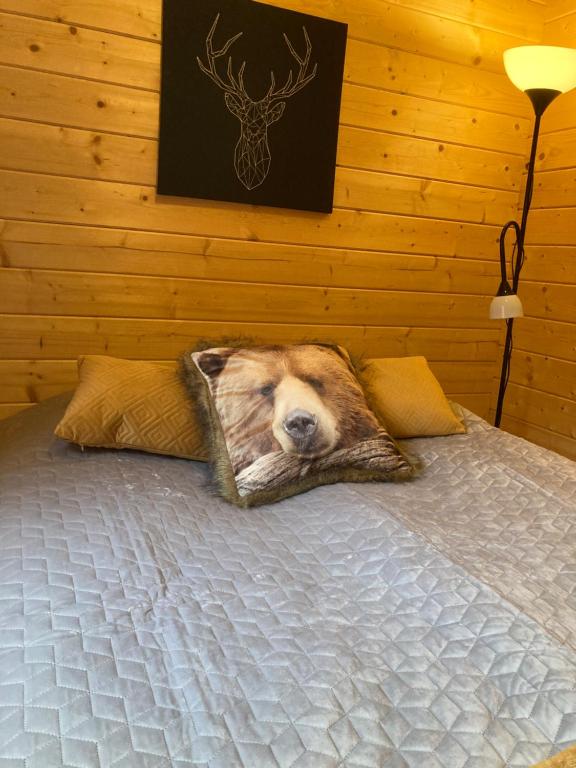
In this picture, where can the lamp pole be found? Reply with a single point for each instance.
(540, 98)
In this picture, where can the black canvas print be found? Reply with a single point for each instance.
(250, 103)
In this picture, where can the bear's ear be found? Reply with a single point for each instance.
(212, 363)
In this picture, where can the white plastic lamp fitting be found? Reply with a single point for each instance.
(505, 307)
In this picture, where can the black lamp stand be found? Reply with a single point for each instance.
(540, 98)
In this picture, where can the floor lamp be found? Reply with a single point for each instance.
(543, 72)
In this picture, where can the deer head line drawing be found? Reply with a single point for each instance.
(252, 153)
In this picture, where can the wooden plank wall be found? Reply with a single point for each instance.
(432, 143)
(541, 400)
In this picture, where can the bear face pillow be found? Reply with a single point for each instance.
(283, 419)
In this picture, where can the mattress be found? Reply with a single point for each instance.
(146, 622)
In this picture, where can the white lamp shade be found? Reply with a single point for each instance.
(506, 307)
(541, 66)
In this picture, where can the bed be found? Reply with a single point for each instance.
(146, 622)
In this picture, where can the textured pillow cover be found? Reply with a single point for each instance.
(407, 398)
(564, 759)
(283, 419)
(130, 404)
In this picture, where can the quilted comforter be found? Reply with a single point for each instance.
(145, 622)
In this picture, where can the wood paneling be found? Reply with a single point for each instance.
(86, 53)
(549, 300)
(541, 402)
(78, 51)
(546, 263)
(75, 294)
(68, 102)
(230, 260)
(55, 48)
(65, 200)
(417, 116)
(432, 144)
(431, 159)
(30, 381)
(435, 79)
(562, 30)
(554, 189)
(473, 39)
(552, 226)
(546, 374)
(134, 18)
(479, 404)
(449, 30)
(555, 9)
(556, 414)
(85, 154)
(541, 436)
(531, 334)
(36, 337)
(556, 151)
(560, 114)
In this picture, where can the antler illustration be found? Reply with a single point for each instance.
(302, 79)
(232, 86)
(252, 153)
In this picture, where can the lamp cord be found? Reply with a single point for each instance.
(509, 348)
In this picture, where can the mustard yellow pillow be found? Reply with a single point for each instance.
(129, 404)
(407, 397)
(565, 759)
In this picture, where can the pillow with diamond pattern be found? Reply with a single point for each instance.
(132, 404)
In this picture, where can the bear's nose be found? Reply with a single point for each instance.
(300, 424)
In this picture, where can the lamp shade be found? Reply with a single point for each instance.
(506, 307)
(541, 66)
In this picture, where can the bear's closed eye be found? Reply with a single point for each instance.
(316, 383)
(267, 390)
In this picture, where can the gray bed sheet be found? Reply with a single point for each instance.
(145, 622)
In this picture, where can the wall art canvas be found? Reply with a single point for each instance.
(250, 103)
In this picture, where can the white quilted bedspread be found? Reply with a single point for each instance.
(144, 622)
